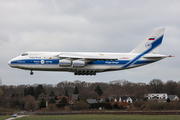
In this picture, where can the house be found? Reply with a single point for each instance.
(74, 97)
(90, 101)
(128, 99)
(102, 100)
(70, 102)
(61, 97)
(173, 97)
(113, 98)
(156, 96)
(47, 102)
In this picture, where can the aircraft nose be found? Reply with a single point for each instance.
(9, 63)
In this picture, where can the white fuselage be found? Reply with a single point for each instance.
(49, 61)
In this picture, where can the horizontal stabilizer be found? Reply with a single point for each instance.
(154, 56)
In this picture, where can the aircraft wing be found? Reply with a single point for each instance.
(89, 58)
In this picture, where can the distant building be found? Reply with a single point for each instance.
(74, 97)
(173, 97)
(61, 97)
(102, 100)
(90, 101)
(156, 96)
(128, 99)
(112, 98)
(70, 102)
(47, 102)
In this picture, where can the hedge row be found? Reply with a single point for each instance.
(61, 105)
(103, 105)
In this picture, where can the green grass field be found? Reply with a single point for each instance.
(4, 117)
(103, 117)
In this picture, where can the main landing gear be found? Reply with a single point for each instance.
(85, 73)
(31, 73)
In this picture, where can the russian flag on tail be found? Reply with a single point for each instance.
(151, 39)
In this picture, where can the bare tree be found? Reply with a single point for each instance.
(30, 103)
(88, 94)
(0, 82)
(170, 87)
(156, 86)
(1, 92)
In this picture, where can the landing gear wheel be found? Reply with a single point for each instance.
(31, 73)
(75, 73)
(94, 73)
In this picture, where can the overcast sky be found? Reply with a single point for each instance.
(87, 26)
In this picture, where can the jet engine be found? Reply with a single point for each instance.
(78, 63)
(75, 63)
(65, 63)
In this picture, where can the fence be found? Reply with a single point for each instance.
(99, 112)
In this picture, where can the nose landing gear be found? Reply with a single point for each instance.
(31, 73)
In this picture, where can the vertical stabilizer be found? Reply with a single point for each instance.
(151, 44)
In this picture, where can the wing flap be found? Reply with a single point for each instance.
(86, 57)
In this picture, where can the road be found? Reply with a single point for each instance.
(16, 117)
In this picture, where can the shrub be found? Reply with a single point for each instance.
(83, 99)
(103, 105)
(153, 105)
(30, 103)
(160, 106)
(81, 105)
(175, 105)
(64, 100)
(144, 99)
(52, 107)
(52, 101)
(61, 105)
(138, 103)
(168, 100)
(43, 103)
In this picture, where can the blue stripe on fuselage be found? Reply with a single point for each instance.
(102, 62)
(119, 62)
(35, 61)
(56, 62)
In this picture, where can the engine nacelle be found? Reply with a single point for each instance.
(65, 63)
(78, 63)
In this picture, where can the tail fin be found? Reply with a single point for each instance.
(151, 44)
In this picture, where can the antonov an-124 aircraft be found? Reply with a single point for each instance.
(90, 63)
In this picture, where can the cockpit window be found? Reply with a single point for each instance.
(24, 54)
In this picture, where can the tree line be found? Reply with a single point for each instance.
(20, 96)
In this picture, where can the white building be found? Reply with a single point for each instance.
(128, 99)
(156, 96)
(173, 97)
